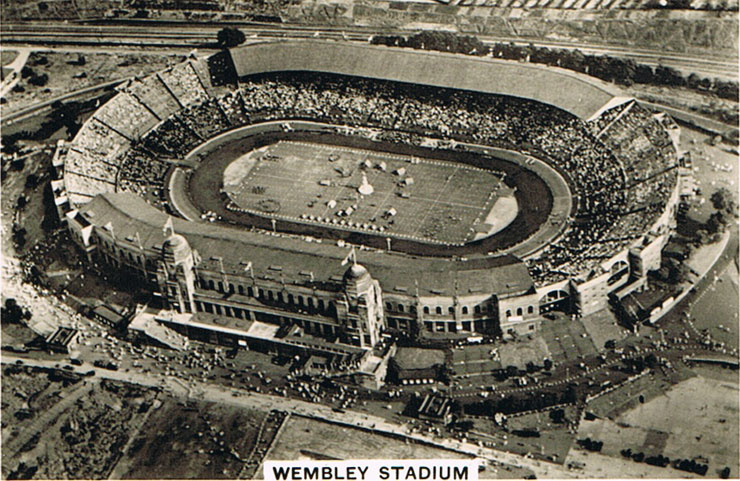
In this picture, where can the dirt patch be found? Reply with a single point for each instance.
(70, 71)
(80, 436)
(195, 440)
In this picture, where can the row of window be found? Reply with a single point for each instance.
(438, 310)
(520, 311)
(140, 261)
(482, 325)
(465, 309)
(265, 294)
(238, 313)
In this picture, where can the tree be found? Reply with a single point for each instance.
(644, 74)
(717, 222)
(27, 72)
(11, 311)
(39, 80)
(722, 200)
(230, 37)
(651, 360)
(32, 181)
(669, 76)
(557, 415)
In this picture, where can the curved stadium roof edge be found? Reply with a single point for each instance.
(132, 218)
(581, 95)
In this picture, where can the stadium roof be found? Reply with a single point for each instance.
(583, 96)
(290, 258)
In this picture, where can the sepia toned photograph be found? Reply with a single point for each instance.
(360, 240)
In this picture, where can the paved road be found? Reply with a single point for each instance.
(266, 402)
(16, 65)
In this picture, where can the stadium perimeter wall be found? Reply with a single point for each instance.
(591, 103)
(580, 95)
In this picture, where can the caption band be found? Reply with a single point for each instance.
(372, 470)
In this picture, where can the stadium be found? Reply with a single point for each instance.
(311, 195)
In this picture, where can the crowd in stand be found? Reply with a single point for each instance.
(144, 175)
(619, 166)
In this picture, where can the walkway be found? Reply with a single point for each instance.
(16, 65)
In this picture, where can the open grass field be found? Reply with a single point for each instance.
(308, 182)
(716, 312)
(7, 56)
(695, 418)
(533, 192)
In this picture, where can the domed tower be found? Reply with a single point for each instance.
(176, 273)
(363, 317)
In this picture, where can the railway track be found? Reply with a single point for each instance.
(182, 35)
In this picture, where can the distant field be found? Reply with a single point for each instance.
(444, 202)
(697, 417)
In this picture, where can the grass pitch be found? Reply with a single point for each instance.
(420, 199)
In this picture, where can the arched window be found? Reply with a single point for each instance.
(508, 312)
(451, 309)
(400, 308)
(439, 310)
(290, 299)
(250, 291)
(321, 304)
(389, 306)
(426, 309)
(530, 310)
(465, 309)
(477, 309)
(211, 285)
(519, 311)
(241, 290)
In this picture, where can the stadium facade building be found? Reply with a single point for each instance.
(249, 287)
